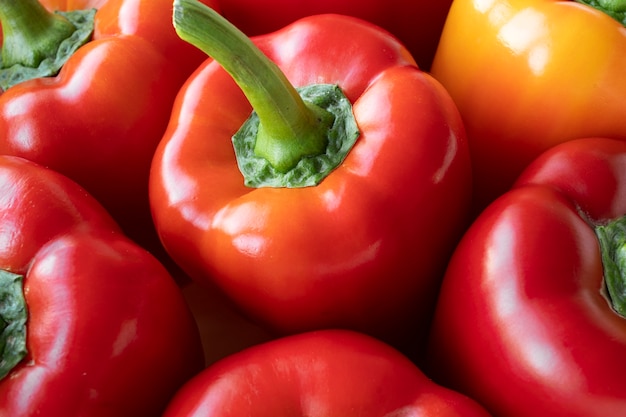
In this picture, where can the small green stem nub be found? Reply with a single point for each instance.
(614, 8)
(36, 43)
(31, 33)
(612, 238)
(13, 316)
(290, 128)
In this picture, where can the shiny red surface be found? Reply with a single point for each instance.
(523, 324)
(316, 374)
(108, 331)
(365, 248)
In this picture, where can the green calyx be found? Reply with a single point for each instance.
(13, 316)
(614, 8)
(294, 137)
(342, 133)
(36, 42)
(612, 238)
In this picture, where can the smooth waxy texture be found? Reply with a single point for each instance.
(527, 75)
(108, 332)
(524, 323)
(363, 249)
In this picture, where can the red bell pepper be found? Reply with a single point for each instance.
(529, 74)
(100, 118)
(417, 23)
(329, 372)
(91, 323)
(302, 236)
(531, 317)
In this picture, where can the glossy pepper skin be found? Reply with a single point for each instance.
(365, 248)
(527, 75)
(100, 119)
(417, 24)
(108, 332)
(523, 324)
(329, 372)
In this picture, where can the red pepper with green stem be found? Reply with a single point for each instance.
(91, 324)
(89, 93)
(531, 315)
(417, 23)
(342, 205)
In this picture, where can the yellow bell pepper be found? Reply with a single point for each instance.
(529, 74)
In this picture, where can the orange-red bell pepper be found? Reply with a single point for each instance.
(358, 239)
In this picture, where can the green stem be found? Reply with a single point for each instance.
(13, 316)
(31, 33)
(612, 238)
(614, 8)
(36, 43)
(290, 128)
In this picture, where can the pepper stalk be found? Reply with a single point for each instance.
(36, 42)
(294, 137)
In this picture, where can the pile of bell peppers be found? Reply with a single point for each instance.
(236, 207)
